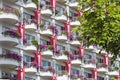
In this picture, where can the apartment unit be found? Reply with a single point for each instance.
(36, 43)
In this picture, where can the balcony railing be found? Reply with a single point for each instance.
(11, 33)
(11, 55)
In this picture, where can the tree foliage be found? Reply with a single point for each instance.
(100, 24)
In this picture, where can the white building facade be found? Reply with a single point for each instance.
(46, 35)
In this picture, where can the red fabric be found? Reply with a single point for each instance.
(95, 74)
(81, 51)
(37, 15)
(78, 13)
(21, 30)
(106, 58)
(67, 28)
(38, 56)
(118, 77)
(53, 41)
(68, 65)
(21, 73)
(54, 78)
(53, 4)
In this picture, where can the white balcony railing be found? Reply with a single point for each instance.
(89, 63)
(30, 67)
(30, 25)
(30, 5)
(9, 15)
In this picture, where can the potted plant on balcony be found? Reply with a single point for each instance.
(79, 38)
(50, 47)
(56, 51)
(41, 25)
(17, 12)
(65, 52)
(34, 42)
(51, 69)
(11, 33)
(64, 32)
(56, 12)
(116, 68)
(64, 72)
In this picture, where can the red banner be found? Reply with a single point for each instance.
(67, 28)
(118, 77)
(53, 41)
(106, 59)
(81, 51)
(20, 73)
(53, 4)
(38, 15)
(38, 58)
(79, 13)
(68, 66)
(21, 30)
(95, 74)
(54, 78)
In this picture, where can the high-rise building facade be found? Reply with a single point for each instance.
(37, 43)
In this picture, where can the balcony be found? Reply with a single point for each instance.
(61, 1)
(9, 37)
(62, 75)
(73, 3)
(75, 43)
(74, 21)
(89, 63)
(113, 73)
(30, 67)
(47, 72)
(10, 59)
(30, 25)
(62, 37)
(29, 47)
(102, 68)
(12, 1)
(9, 15)
(46, 30)
(61, 55)
(30, 5)
(46, 10)
(90, 48)
(61, 17)
(75, 59)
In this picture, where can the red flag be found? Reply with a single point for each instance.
(54, 78)
(79, 13)
(38, 15)
(38, 58)
(21, 73)
(68, 65)
(81, 51)
(21, 30)
(67, 28)
(95, 74)
(118, 77)
(53, 4)
(106, 59)
(53, 41)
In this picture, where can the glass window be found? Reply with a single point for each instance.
(27, 78)
(87, 56)
(42, 41)
(60, 47)
(46, 64)
(26, 58)
(100, 78)
(74, 71)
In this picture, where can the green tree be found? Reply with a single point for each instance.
(100, 24)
